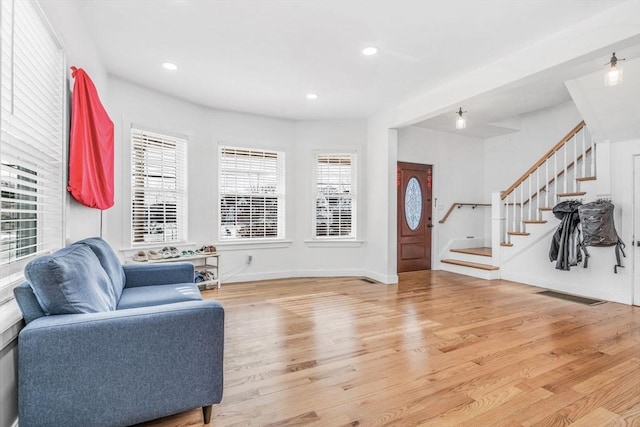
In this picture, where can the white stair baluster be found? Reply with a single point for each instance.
(546, 183)
(584, 154)
(515, 212)
(593, 156)
(575, 162)
(555, 177)
(506, 221)
(529, 196)
(521, 207)
(565, 168)
(537, 211)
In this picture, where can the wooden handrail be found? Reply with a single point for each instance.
(543, 159)
(459, 205)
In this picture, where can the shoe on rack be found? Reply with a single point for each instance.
(174, 252)
(208, 249)
(166, 252)
(141, 256)
(153, 255)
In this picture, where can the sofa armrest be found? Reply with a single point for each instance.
(120, 367)
(164, 273)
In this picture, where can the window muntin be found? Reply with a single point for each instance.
(335, 203)
(158, 188)
(251, 193)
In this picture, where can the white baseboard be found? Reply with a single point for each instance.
(290, 274)
(567, 288)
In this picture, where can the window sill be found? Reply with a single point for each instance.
(255, 244)
(10, 322)
(334, 243)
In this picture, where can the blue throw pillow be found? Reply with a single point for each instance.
(70, 280)
(109, 261)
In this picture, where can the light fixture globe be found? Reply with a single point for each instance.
(613, 73)
(461, 121)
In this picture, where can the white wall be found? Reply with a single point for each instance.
(204, 129)
(381, 227)
(80, 52)
(507, 157)
(458, 172)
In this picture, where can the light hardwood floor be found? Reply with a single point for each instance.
(438, 349)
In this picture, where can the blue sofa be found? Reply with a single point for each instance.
(107, 344)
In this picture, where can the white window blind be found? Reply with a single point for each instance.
(31, 141)
(158, 188)
(335, 201)
(251, 190)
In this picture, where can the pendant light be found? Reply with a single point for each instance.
(613, 73)
(461, 122)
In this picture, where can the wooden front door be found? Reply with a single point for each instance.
(414, 216)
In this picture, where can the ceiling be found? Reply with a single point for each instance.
(263, 57)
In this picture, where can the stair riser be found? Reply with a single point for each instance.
(470, 258)
(470, 271)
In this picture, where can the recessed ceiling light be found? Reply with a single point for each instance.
(369, 51)
(169, 66)
(312, 96)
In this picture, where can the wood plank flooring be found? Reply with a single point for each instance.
(438, 349)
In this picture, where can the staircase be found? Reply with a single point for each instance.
(474, 262)
(522, 215)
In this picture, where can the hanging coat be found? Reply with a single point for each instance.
(90, 146)
(565, 244)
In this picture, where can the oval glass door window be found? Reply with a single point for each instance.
(413, 204)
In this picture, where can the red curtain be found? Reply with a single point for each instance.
(90, 146)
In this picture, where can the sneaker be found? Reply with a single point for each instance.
(153, 255)
(174, 252)
(166, 252)
(141, 256)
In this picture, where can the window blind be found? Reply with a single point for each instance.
(334, 196)
(251, 190)
(31, 140)
(158, 188)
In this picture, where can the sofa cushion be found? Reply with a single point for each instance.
(71, 280)
(109, 261)
(145, 296)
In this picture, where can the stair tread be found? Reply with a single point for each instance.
(480, 251)
(545, 209)
(471, 264)
(518, 233)
(575, 193)
(586, 178)
(534, 221)
(506, 244)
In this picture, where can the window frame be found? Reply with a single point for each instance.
(353, 195)
(279, 195)
(180, 192)
(46, 172)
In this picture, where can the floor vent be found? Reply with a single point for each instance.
(366, 279)
(574, 298)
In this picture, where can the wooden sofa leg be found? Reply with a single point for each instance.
(206, 413)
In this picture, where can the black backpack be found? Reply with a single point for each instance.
(598, 229)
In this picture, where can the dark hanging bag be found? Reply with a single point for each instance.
(598, 229)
